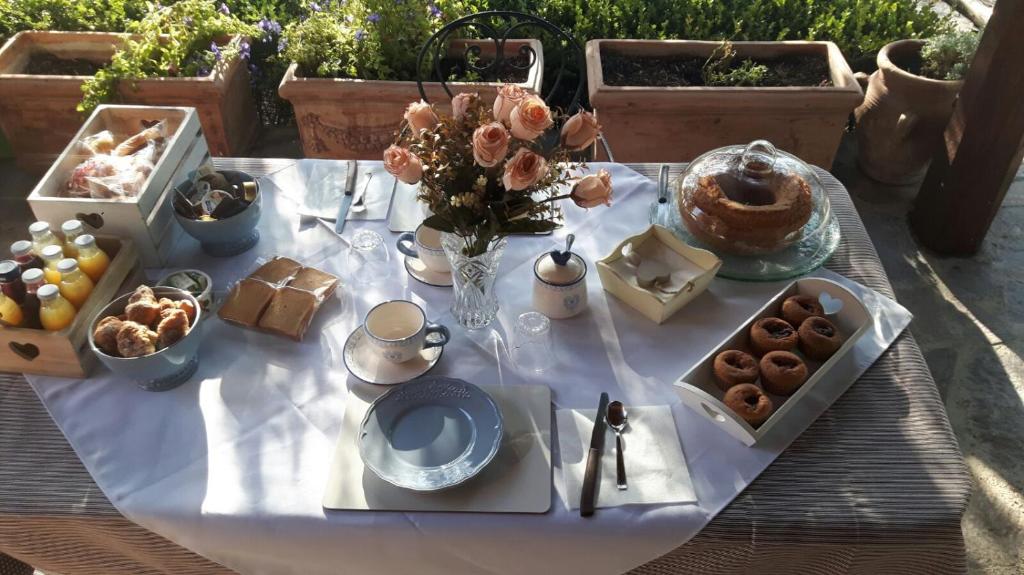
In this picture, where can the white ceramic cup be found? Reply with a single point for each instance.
(425, 244)
(398, 331)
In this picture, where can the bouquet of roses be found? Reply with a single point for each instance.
(489, 171)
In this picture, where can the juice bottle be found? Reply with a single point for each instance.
(55, 312)
(74, 285)
(51, 257)
(10, 312)
(42, 237)
(22, 252)
(10, 281)
(71, 230)
(91, 259)
(33, 279)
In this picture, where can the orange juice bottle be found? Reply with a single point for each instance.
(71, 230)
(10, 311)
(91, 259)
(74, 285)
(42, 237)
(51, 257)
(55, 312)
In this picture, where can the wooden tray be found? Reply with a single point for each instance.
(65, 353)
(698, 390)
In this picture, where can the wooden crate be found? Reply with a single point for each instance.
(147, 218)
(65, 353)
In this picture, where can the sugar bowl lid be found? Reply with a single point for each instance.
(559, 267)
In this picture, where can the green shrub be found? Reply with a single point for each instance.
(69, 15)
(947, 56)
(719, 69)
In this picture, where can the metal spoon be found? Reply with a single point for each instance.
(359, 202)
(615, 415)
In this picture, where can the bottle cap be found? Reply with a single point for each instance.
(38, 228)
(85, 240)
(32, 276)
(51, 252)
(21, 248)
(9, 271)
(67, 265)
(47, 292)
(71, 227)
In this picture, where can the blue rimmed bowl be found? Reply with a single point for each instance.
(230, 236)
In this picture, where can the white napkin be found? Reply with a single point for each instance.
(321, 184)
(655, 467)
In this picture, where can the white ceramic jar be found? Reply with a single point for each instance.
(560, 283)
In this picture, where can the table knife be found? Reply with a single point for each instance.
(346, 200)
(588, 495)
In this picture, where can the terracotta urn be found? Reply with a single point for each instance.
(902, 118)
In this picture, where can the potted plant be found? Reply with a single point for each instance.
(354, 66)
(488, 171)
(192, 53)
(908, 103)
(672, 100)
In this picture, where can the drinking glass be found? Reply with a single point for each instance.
(368, 258)
(532, 346)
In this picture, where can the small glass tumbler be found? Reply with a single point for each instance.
(532, 346)
(368, 258)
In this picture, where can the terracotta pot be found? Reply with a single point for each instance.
(677, 124)
(902, 117)
(345, 118)
(39, 117)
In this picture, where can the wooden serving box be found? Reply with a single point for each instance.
(699, 391)
(65, 353)
(147, 218)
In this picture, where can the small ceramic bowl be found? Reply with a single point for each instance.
(203, 290)
(230, 236)
(165, 369)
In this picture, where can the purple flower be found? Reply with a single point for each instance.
(314, 6)
(282, 45)
(188, 21)
(373, 18)
(360, 34)
(215, 49)
(202, 71)
(224, 9)
(434, 11)
(245, 50)
(270, 27)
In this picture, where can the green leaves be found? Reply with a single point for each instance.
(947, 57)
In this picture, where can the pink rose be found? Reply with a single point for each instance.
(461, 103)
(580, 131)
(490, 144)
(524, 169)
(530, 118)
(593, 190)
(421, 116)
(403, 164)
(509, 96)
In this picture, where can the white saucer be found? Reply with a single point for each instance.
(363, 363)
(419, 272)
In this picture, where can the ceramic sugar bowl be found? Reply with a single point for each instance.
(560, 283)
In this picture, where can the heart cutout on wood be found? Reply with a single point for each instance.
(95, 221)
(829, 304)
(25, 351)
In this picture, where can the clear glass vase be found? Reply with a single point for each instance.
(474, 301)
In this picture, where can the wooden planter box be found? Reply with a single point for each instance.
(677, 124)
(38, 113)
(65, 353)
(345, 118)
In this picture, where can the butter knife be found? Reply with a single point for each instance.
(592, 475)
(346, 200)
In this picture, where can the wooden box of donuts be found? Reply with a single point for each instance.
(65, 353)
(146, 218)
(700, 388)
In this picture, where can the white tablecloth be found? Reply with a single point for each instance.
(233, 464)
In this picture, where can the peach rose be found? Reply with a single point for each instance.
(490, 144)
(421, 116)
(403, 164)
(593, 190)
(580, 131)
(462, 102)
(530, 118)
(509, 96)
(524, 169)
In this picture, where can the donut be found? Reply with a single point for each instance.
(782, 372)
(800, 307)
(772, 334)
(819, 338)
(733, 367)
(749, 402)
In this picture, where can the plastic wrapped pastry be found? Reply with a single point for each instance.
(115, 172)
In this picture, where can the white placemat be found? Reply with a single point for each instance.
(517, 481)
(234, 463)
(655, 467)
